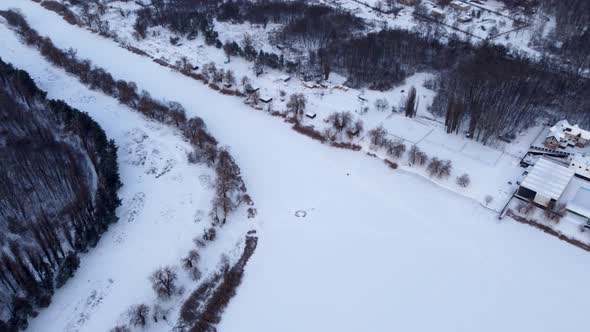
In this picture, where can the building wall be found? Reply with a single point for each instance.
(542, 200)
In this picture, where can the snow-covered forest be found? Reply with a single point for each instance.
(58, 193)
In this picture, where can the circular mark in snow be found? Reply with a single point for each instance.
(300, 213)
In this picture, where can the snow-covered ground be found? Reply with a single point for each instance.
(378, 250)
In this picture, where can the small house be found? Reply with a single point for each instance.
(284, 78)
(310, 115)
(545, 183)
(251, 89)
(458, 5)
(265, 99)
(362, 98)
(437, 14)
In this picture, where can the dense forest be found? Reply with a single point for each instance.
(58, 194)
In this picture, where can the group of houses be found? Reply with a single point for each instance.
(562, 177)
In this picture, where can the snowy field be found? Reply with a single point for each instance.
(379, 250)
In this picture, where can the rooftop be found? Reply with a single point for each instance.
(548, 178)
(580, 204)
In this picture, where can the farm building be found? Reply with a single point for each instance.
(545, 183)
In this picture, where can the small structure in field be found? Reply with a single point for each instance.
(310, 115)
(545, 183)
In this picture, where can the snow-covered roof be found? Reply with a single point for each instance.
(284, 78)
(437, 11)
(580, 204)
(548, 178)
(580, 159)
(559, 129)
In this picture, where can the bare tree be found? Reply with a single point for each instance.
(228, 187)
(525, 207)
(396, 148)
(296, 105)
(381, 104)
(445, 169)
(121, 328)
(340, 121)
(230, 78)
(190, 264)
(244, 81)
(138, 315)
(377, 136)
(434, 166)
(416, 156)
(164, 282)
(488, 199)
(463, 180)
(555, 211)
(355, 130)
(410, 104)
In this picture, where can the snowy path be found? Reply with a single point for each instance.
(378, 250)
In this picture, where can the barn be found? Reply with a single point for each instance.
(545, 183)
